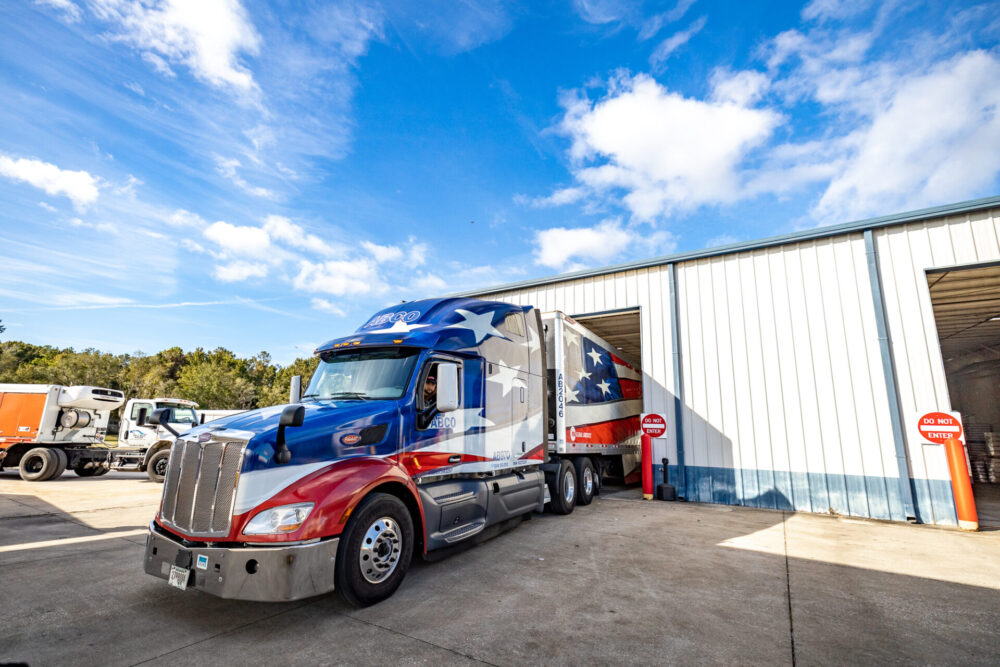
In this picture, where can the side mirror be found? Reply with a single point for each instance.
(160, 418)
(447, 387)
(141, 419)
(293, 415)
(295, 389)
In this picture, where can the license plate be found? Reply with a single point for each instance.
(179, 577)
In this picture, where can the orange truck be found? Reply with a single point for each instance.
(47, 428)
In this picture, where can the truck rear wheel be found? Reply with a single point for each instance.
(63, 462)
(587, 476)
(375, 550)
(156, 469)
(563, 489)
(38, 464)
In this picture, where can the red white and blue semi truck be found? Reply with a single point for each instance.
(438, 424)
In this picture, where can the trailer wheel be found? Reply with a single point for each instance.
(38, 464)
(63, 462)
(587, 476)
(156, 469)
(375, 550)
(563, 489)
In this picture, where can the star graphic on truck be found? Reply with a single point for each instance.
(596, 356)
(480, 325)
(506, 376)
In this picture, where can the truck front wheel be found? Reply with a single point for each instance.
(563, 489)
(156, 469)
(39, 464)
(375, 550)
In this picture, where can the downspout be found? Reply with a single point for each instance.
(891, 383)
(678, 383)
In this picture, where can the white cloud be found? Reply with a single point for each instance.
(674, 42)
(47, 207)
(182, 218)
(239, 270)
(428, 283)
(341, 277)
(105, 227)
(605, 11)
(822, 10)
(382, 253)
(721, 240)
(668, 152)
(207, 37)
(282, 229)
(84, 299)
(251, 241)
(227, 167)
(556, 247)
(79, 186)
(135, 88)
(740, 88)
(417, 253)
(69, 9)
(935, 141)
(653, 24)
(328, 307)
(558, 198)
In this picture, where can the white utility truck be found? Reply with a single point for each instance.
(145, 447)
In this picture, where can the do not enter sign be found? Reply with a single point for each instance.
(654, 425)
(939, 426)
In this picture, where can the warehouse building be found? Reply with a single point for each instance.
(793, 370)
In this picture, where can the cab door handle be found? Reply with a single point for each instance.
(455, 459)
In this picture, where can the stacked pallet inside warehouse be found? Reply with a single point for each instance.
(976, 433)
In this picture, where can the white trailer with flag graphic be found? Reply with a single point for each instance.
(595, 402)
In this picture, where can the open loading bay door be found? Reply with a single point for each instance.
(620, 328)
(967, 312)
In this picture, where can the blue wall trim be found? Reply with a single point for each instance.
(851, 495)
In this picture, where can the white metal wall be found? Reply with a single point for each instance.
(785, 401)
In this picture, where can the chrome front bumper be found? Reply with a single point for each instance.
(264, 574)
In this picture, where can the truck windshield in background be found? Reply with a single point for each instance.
(179, 414)
(373, 373)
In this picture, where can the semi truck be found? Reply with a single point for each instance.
(145, 447)
(438, 424)
(47, 428)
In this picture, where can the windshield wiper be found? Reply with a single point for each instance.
(348, 394)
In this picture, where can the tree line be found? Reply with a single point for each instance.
(215, 379)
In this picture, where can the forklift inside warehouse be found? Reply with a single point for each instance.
(966, 302)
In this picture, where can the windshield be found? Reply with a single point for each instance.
(382, 373)
(179, 415)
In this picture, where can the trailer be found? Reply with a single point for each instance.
(47, 428)
(436, 425)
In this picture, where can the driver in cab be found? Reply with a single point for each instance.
(430, 389)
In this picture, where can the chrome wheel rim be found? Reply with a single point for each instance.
(569, 487)
(380, 550)
(588, 481)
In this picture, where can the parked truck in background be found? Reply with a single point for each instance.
(145, 447)
(47, 428)
(438, 424)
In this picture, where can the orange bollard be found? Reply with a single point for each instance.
(647, 467)
(961, 485)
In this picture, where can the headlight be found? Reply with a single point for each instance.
(276, 520)
(74, 419)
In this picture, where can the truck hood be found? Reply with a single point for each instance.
(330, 431)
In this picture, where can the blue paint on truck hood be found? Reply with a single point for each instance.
(330, 431)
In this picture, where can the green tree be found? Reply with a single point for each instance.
(217, 380)
(277, 392)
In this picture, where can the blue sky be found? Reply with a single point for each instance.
(265, 175)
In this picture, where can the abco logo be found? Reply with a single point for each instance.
(398, 316)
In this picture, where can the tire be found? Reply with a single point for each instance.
(586, 474)
(38, 464)
(563, 489)
(156, 469)
(63, 462)
(375, 550)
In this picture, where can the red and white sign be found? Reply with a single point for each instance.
(937, 427)
(654, 425)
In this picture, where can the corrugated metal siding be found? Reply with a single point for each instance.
(785, 402)
(906, 253)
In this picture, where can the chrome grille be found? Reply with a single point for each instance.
(200, 487)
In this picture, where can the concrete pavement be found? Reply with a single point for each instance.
(620, 581)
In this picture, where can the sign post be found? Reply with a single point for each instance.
(942, 428)
(653, 425)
